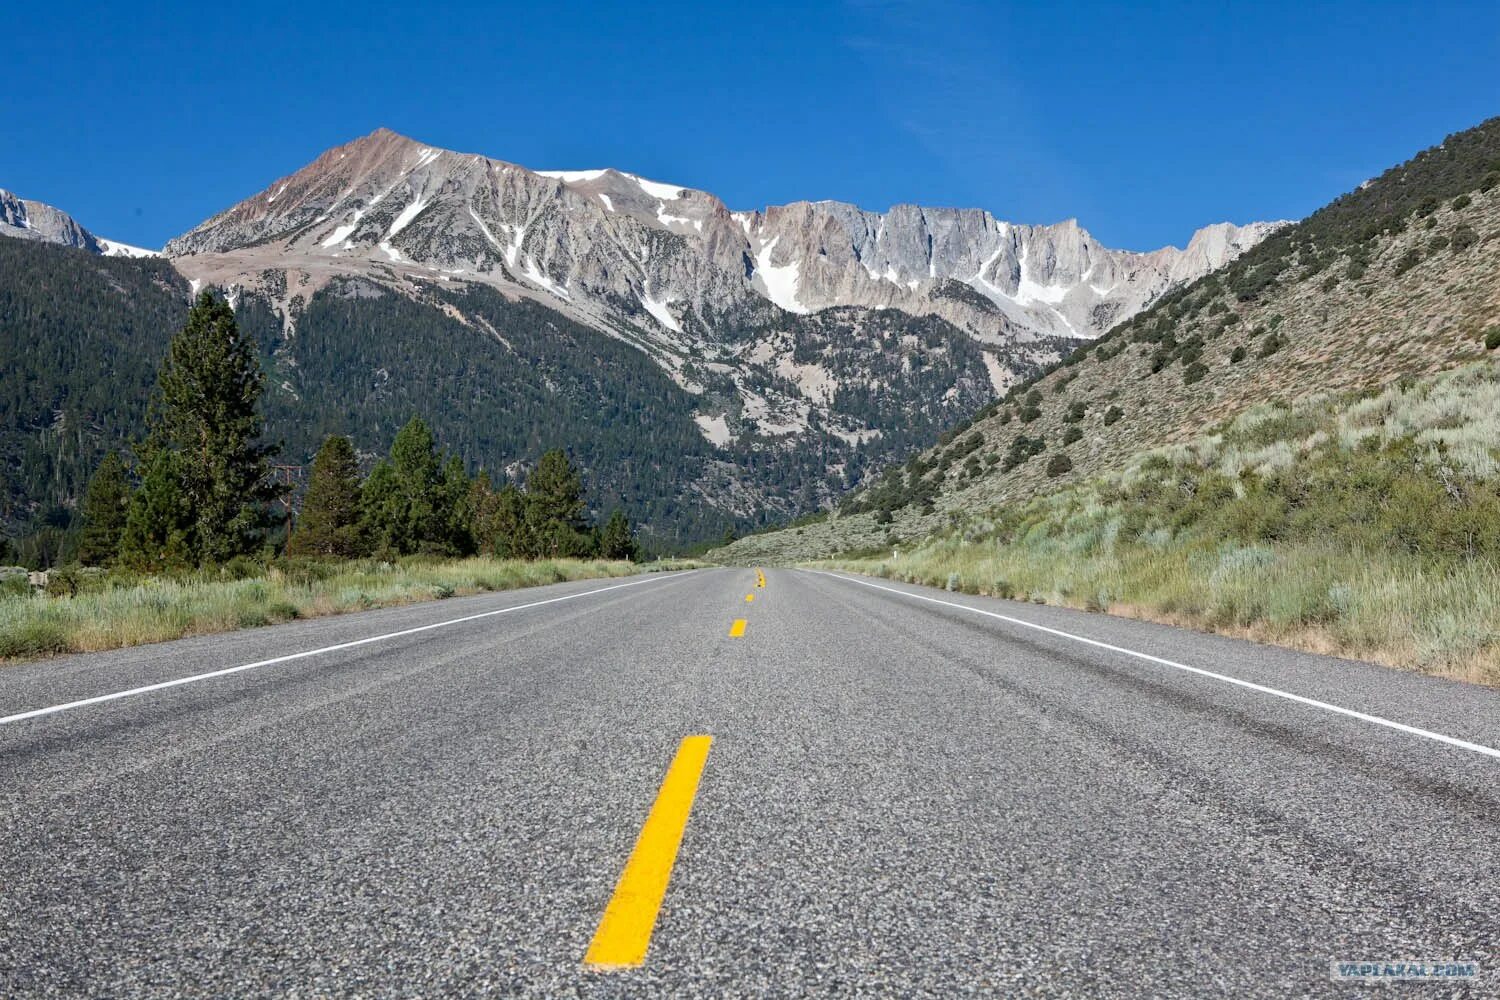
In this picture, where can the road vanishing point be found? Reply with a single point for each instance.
(733, 783)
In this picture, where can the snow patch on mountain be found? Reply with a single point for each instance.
(781, 282)
(659, 310)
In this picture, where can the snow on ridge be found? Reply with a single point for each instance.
(656, 189)
(115, 249)
(659, 310)
(571, 176)
(609, 206)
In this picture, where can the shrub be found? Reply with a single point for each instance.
(1437, 244)
(1462, 202)
(1426, 207)
(1492, 338)
(1490, 180)
(1112, 416)
(1237, 355)
(1463, 238)
(1030, 413)
(1071, 435)
(1270, 347)
(1059, 465)
(1411, 259)
(1194, 373)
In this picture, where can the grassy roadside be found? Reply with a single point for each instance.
(109, 611)
(1392, 611)
(1364, 526)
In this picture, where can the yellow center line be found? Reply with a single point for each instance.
(624, 932)
(749, 598)
(738, 628)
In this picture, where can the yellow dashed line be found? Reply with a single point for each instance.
(749, 598)
(624, 931)
(738, 628)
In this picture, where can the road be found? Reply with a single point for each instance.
(903, 795)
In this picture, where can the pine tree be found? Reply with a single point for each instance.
(617, 540)
(455, 509)
(507, 529)
(329, 522)
(554, 522)
(205, 410)
(105, 504)
(159, 524)
(408, 500)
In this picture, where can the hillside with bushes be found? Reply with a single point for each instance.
(1399, 279)
(1366, 524)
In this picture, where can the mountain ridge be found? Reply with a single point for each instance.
(23, 218)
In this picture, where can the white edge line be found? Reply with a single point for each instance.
(163, 685)
(1452, 741)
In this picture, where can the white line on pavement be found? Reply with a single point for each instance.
(146, 689)
(1452, 741)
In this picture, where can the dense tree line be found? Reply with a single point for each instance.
(80, 336)
(204, 490)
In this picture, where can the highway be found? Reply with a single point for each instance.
(722, 783)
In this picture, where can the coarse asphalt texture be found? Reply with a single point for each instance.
(902, 798)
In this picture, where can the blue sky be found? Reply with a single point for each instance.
(1144, 121)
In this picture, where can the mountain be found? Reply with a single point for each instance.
(673, 270)
(709, 368)
(33, 220)
(1396, 280)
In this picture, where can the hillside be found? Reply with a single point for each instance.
(1398, 279)
(81, 336)
(709, 368)
(1365, 524)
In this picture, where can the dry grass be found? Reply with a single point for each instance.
(115, 612)
(1398, 612)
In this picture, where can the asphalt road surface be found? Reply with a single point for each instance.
(902, 796)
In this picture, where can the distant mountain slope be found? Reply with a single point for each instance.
(1398, 278)
(81, 336)
(32, 220)
(671, 269)
(709, 368)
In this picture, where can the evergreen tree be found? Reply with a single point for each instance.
(105, 504)
(329, 522)
(409, 500)
(159, 524)
(507, 530)
(456, 509)
(554, 522)
(205, 410)
(617, 540)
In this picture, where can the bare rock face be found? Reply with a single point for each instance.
(672, 269)
(32, 220)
